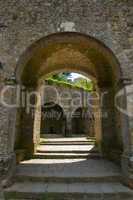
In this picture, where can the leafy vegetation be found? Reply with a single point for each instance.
(65, 80)
(83, 83)
(65, 76)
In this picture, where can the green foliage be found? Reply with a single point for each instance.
(83, 83)
(87, 86)
(62, 76)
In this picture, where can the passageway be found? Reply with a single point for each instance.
(76, 168)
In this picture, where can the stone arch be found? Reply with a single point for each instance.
(71, 51)
(82, 121)
(44, 58)
(53, 119)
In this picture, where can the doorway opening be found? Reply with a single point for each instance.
(53, 121)
(77, 53)
(67, 110)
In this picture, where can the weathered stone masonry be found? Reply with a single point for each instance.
(22, 22)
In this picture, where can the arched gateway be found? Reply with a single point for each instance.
(84, 54)
(52, 120)
(77, 52)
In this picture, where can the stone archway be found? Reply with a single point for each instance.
(70, 51)
(53, 120)
(78, 52)
(82, 122)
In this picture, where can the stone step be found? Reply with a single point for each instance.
(67, 140)
(66, 178)
(67, 170)
(67, 151)
(67, 191)
(67, 136)
(64, 155)
(67, 143)
(66, 148)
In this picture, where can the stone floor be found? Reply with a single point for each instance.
(88, 178)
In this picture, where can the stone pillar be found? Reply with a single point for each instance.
(107, 120)
(68, 129)
(7, 130)
(126, 111)
(96, 110)
(97, 125)
(26, 142)
(37, 120)
(30, 117)
(65, 100)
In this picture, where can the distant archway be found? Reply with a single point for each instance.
(53, 120)
(83, 122)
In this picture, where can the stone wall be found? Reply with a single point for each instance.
(68, 98)
(23, 22)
